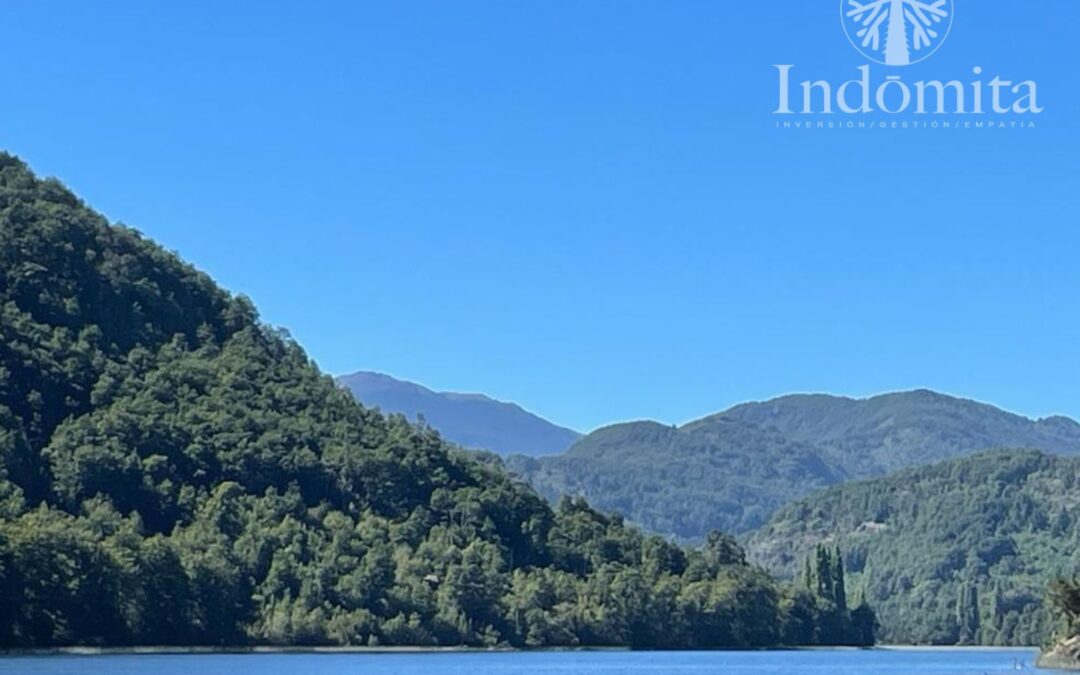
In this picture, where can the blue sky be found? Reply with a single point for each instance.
(583, 207)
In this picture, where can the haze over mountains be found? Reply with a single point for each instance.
(469, 420)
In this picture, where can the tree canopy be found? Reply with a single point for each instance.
(173, 471)
(959, 552)
(732, 471)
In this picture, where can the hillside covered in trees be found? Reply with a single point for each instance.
(878, 435)
(731, 471)
(960, 552)
(172, 471)
(683, 481)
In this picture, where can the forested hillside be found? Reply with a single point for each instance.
(724, 475)
(877, 435)
(731, 471)
(172, 471)
(960, 552)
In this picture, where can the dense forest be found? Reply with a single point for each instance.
(733, 470)
(172, 471)
(881, 434)
(683, 481)
(960, 552)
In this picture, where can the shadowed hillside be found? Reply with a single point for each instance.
(721, 475)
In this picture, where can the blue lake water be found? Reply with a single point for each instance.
(823, 662)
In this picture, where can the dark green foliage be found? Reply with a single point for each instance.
(1065, 597)
(955, 553)
(174, 472)
(968, 613)
(1064, 606)
(733, 470)
(684, 482)
(825, 602)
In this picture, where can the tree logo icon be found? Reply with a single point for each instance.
(897, 32)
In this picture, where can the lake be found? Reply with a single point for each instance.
(815, 662)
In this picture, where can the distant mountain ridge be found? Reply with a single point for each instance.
(469, 420)
(732, 470)
(894, 431)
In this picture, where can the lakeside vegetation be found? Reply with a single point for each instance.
(960, 552)
(173, 471)
(1062, 650)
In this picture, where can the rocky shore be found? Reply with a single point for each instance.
(1064, 655)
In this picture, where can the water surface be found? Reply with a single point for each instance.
(817, 662)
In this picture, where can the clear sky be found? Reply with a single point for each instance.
(580, 206)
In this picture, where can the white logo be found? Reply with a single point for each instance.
(897, 32)
(900, 33)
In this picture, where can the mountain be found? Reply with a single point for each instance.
(470, 420)
(732, 470)
(959, 552)
(175, 472)
(684, 481)
(874, 436)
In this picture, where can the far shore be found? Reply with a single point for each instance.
(182, 651)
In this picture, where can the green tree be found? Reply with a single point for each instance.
(174, 471)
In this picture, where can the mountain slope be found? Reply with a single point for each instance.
(956, 552)
(470, 420)
(174, 472)
(876, 435)
(721, 475)
(730, 471)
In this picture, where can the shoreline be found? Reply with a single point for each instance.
(270, 650)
